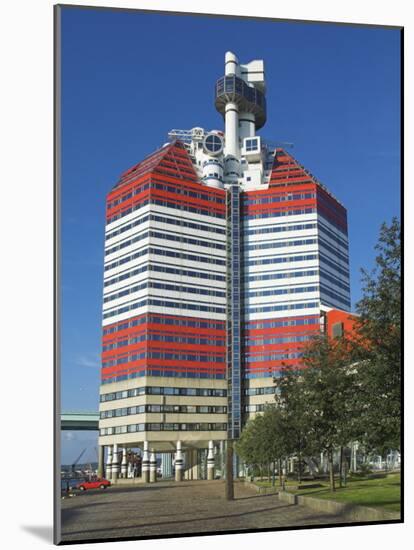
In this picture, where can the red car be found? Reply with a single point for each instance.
(98, 483)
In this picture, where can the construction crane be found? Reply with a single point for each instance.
(77, 460)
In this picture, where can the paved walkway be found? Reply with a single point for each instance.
(168, 508)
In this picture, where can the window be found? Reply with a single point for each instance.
(252, 144)
(337, 330)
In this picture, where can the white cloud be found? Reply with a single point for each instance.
(89, 360)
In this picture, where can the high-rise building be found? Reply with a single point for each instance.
(222, 256)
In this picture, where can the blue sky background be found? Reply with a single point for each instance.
(128, 78)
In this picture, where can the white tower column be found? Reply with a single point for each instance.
(145, 463)
(247, 125)
(179, 463)
(124, 464)
(210, 461)
(153, 467)
(115, 463)
(232, 130)
(108, 472)
(231, 64)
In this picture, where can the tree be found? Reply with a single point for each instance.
(330, 391)
(379, 344)
(263, 438)
(290, 398)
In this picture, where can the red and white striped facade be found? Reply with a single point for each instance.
(171, 247)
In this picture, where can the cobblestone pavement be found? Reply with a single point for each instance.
(169, 508)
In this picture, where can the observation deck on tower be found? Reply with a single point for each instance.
(249, 99)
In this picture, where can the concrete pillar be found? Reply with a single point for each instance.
(115, 463)
(124, 463)
(210, 461)
(166, 465)
(101, 460)
(108, 472)
(153, 467)
(223, 451)
(191, 462)
(179, 463)
(145, 463)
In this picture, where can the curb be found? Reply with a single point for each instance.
(353, 512)
(350, 512)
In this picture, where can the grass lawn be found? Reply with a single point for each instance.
(376, 493)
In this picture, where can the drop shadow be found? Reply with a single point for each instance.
(43, 532)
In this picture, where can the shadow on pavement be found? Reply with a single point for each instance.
(178, 522)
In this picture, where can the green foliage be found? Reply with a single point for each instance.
(331, 389)
(263, 439)
(291, 401)
(379, 346)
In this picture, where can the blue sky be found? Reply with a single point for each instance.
(128, 78)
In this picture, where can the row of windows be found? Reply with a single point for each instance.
(335, 267)
(289, 173)
(136, 191)
(167, 204)
(162, 219)
(150, 163)
(334, 280)
(164, 338)
(165, 236)
(331, 235)
(155, 427)
(258, 325)
(288, 307)
(268, 341)
(165, 269)
(337, 297)
(193, 373)
(278, 291)
(163, 303)
(164, 286)
(167, 356)
(280, 244)
(279, 198)
(278, 213)
(260, 391)
(296, 274)
(334, 251)
(332, 205)
(163, 187)
(171, 321)
(255, 408)
(263, 373)
(164, 252)
(279, 228)
(282, 259)
(272, 357)
(179, 409)
(161, 390)
(284, 275)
